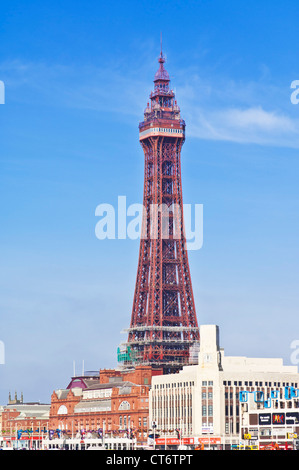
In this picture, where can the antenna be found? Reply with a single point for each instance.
(74, 368)
(83, 368)
(161, 42)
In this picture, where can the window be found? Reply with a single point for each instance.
(62, 410)
(125, 405)
(265, 431)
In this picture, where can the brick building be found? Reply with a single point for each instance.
(112, 401)
(23, 424)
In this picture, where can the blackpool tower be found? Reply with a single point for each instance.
(163, 329)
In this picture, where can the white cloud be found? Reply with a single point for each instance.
(258, 119)
(250, 125)
(218, 108)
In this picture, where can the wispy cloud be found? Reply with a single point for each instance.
(109, 88)
(249, 112)
(248, 125)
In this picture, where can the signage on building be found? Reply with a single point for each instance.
(174, 441)
(209, 440)
(292, 417)
(168, 441)
(265, 419)
(187, 441)
(207, 430)
(268, 419)
(278, 418)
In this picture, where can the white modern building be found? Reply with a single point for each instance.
(201, 402)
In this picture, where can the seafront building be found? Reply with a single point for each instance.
(23, 425)
(201, 405)
(111, 403)
(221, 402)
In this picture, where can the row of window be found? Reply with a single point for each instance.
(209, 383)
(126, 422)
(162, 129)
(208, 409)
(92, 394)
(166, 129)
(174, 385)
(259, 384)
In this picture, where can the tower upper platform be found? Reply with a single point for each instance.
(162, 115)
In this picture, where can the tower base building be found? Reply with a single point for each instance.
(201, 404)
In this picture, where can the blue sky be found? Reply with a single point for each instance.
(77, 77)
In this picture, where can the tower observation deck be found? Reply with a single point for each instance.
(163, 327)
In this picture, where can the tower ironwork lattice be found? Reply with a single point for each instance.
(163, 327)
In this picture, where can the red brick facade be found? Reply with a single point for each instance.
(116, 401)
(16, 425)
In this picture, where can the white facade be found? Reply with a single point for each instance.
(203, 399)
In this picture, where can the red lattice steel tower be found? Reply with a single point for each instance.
(163, 323)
